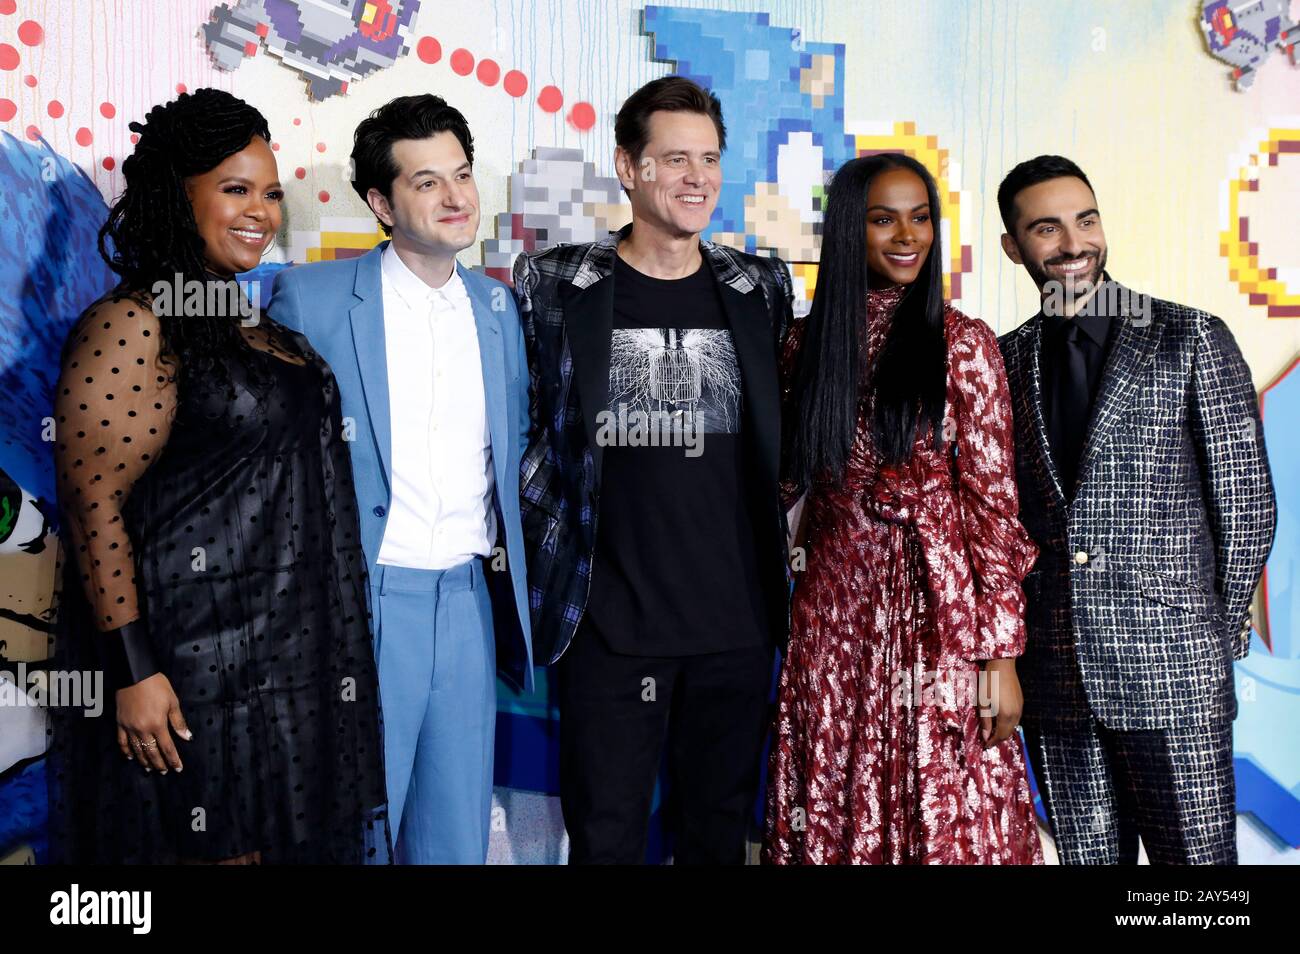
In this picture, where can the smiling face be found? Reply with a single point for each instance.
(237, 207)
(433, 206)
(1058, 234)
(673, 186)
(900, 227)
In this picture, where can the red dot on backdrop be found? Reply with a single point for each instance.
(462, 62)
(7, 110)
(84, 137)
(181, 88)
(323, 195)
(55, 109)
(488, 72)
(297, 122)
(7, 7)
(428, 49)
(135, 137)
(8, 57)
(30, 32)
(108, 163)
(300, 172)
(550, 99)
(29, 79)
(275, 147)
(515, 83)
(33, 133)
(583, 116)
(320, 147)
(107, 110)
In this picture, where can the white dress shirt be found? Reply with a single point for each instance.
(441, 512)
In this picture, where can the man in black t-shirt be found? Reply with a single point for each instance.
(655, 407)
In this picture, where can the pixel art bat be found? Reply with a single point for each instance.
(330, 42)
(1243, 34)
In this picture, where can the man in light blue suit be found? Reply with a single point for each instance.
(432, 375)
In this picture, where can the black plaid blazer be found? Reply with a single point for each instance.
(566, 301)
(1140, 599)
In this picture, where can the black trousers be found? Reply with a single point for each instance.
(617, 712)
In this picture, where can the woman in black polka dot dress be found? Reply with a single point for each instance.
(214, 564)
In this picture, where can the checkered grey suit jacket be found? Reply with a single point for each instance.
(1140, 599)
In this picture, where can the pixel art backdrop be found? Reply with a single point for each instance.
(1129, 91)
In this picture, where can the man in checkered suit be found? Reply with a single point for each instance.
(1145, 483)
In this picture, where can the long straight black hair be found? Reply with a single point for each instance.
(910, 375)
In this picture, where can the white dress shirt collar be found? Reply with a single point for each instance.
(413, 290)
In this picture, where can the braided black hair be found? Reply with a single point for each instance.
(151, 234)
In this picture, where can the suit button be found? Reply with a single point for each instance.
(380, 511)
(1081, 557)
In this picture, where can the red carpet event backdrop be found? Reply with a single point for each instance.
(1185, 114)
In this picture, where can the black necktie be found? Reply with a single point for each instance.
(1071, 404)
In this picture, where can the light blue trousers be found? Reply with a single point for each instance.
(437, 687)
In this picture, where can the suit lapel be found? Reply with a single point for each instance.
(1130, 353)
(367, 319)
(588, 323)
(492, 359)
(1031, 406)
(751, 334)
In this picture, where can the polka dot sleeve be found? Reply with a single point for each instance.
(113, 409)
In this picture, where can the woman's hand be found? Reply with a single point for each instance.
(999, 722)
(145, 712)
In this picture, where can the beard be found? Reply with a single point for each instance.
(1081, 283)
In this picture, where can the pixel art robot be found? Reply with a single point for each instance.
(556, 198)
(330, 42)
(1244, 33)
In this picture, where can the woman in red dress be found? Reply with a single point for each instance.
(895, 735)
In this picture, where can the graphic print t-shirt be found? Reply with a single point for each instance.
(675, 571)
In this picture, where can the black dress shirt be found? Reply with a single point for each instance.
(1073, 358)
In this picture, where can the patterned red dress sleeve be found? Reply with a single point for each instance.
(1000, 550)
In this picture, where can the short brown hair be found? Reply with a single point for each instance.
(673, 94)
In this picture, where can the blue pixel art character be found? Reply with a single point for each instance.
(783, 103)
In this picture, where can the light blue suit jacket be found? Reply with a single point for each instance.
(339, 307)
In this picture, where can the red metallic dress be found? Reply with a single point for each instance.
(913, 576)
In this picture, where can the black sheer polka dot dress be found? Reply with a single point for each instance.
(209, 523)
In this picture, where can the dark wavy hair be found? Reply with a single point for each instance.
(910, 373)
(673, 94)
(1029, 173)
(406, 117)
(151, 234)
